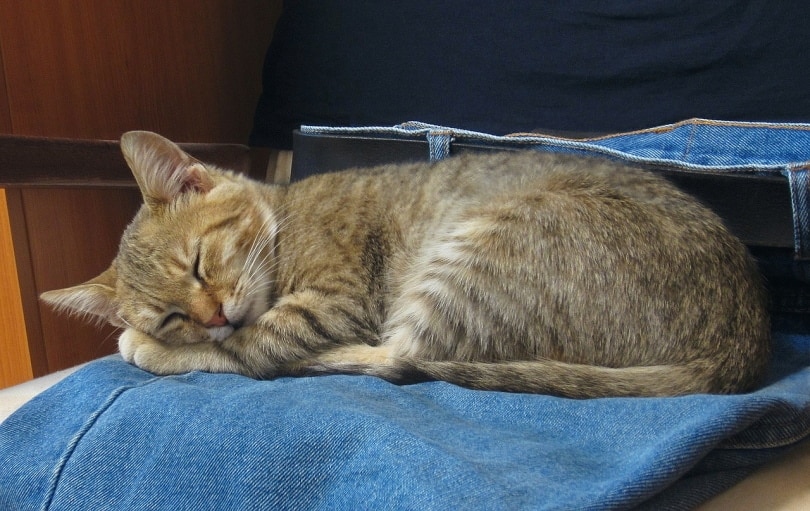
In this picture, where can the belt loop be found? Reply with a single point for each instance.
(799, 181)
(439, 144)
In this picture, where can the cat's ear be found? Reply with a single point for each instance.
(93, 299)
(163, 170)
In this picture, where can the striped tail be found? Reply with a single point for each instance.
(537, 376)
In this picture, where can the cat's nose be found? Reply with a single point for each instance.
(218, 319)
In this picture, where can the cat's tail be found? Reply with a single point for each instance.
(541, 376)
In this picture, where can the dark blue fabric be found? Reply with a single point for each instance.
(114, 437)
(501, 66)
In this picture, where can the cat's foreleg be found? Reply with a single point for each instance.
(158, 357)
(299, 327)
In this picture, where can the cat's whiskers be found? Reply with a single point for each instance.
(259, 262)
(123, 320)
(251, 285)
(253, 253)
(255, 263)
(104, 341)
(255, 284)
(257, 258)
(266, 234)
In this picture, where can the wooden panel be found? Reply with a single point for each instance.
(15, 364)
(33, 161)
(28, 295)
(189, 69)
(5, 111)
(74, 237)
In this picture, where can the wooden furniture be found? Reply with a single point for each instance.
(91, 70)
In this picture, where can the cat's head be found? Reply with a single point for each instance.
(197, 260)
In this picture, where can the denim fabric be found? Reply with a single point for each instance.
(114, 437)
(439, 144)
(695, 144)
(799, 185)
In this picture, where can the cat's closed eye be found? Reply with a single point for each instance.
(196, 271)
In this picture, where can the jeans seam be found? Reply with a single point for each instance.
(56, 475)
(799, 183)
(689, 141)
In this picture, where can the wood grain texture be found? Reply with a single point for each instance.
(15, 362)
(5, 111)
(189, 69)
(74, 237)
(28, 295)
(34, 161)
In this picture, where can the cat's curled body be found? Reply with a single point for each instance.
(516, 271)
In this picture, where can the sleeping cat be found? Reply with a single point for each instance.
(515, 271)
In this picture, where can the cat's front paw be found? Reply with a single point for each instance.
(128, 343)
(160, 358)
(143, 351)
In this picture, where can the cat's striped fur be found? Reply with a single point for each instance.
(517, 271)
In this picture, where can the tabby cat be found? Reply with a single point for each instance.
(515, 271)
